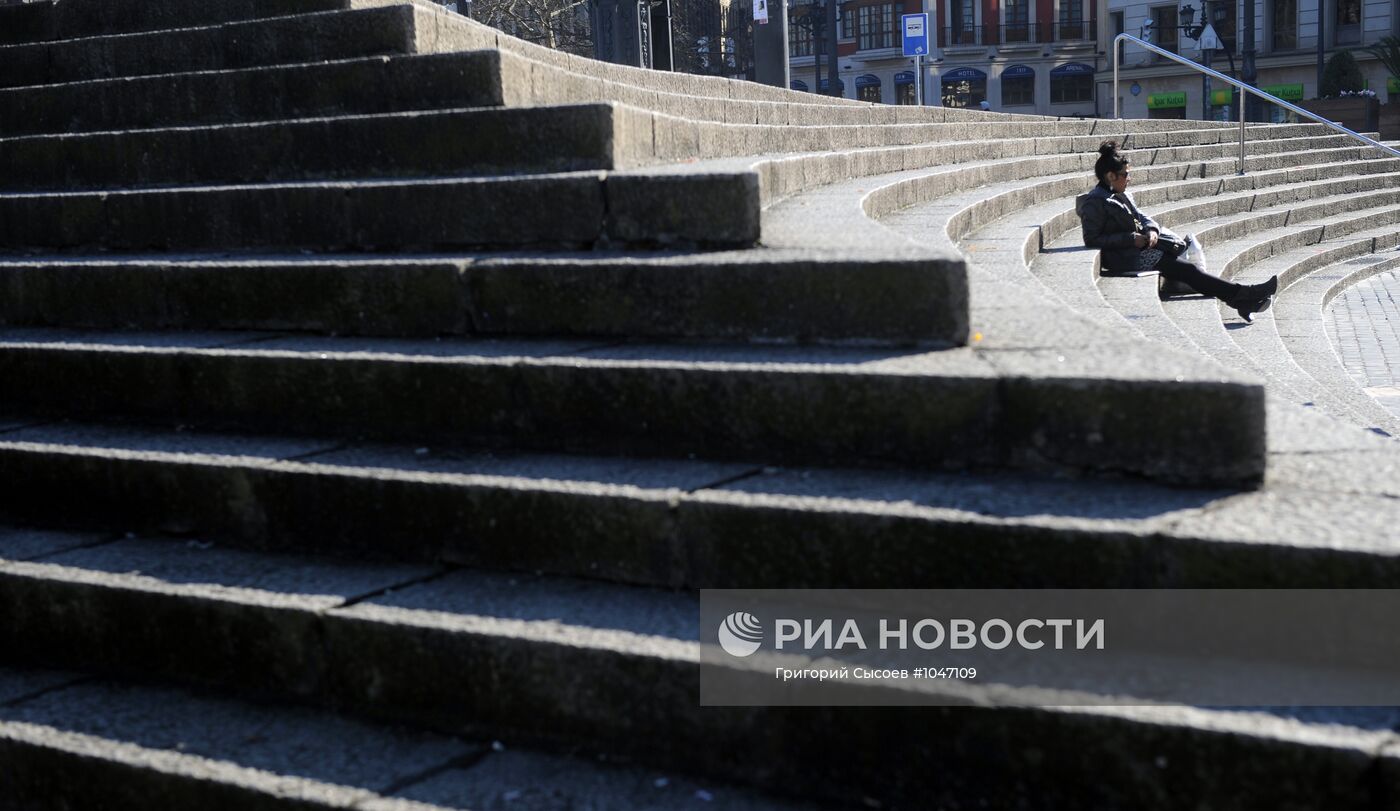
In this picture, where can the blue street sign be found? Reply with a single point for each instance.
(915, 28)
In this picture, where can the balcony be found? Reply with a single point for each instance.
(1076, 31)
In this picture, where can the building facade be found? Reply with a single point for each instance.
(1021, 56)
(1285, 44)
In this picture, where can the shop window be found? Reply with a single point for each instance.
(1017, 90)
(964, 92)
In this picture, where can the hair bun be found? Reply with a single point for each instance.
(1108, 148)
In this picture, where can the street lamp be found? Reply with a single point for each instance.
(1187, 24)
(1188, 15)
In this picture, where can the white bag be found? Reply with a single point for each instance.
(1195, 254)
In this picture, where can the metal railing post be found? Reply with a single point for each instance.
(1245, 90)
(1116, 112)
(1243, 96)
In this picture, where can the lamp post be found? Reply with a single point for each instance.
(1187, 15)
(1187, 24)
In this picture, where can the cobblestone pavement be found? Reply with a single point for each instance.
(1364, 325)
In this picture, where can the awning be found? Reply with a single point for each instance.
(868, 80)
(904, 77)
(799, 85)
(1017, 72)
(1073, 69)
(964, 75)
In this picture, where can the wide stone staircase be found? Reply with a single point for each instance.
(380, 390)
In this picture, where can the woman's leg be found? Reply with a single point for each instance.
(1190, 275)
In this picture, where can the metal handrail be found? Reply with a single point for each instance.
(1244, 88)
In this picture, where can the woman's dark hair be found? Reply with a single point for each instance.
(1110, 160)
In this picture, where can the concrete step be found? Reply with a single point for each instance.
(1299, 322)
(969, 192)
(397, 83)
(603, 135)
(1012, 218)
(38, 22)
(1001, 244)
(555, 663)
(348, 87)
(851, 296)
(1043, 235)
(942, 408)
(1268, 348)
(74, 741)
(480, 141)
(1198, 323)
(316, 37)
(788, 175)
(471, 141)
(687, 523)
(591, 209)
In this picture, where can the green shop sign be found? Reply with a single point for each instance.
(1163, 101)
(1392, 85)
(1287, 92)
(1220, 98)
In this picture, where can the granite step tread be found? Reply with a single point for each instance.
(687, 522)
(577, 655)
(1269, 349)
(364, 85)
(313, 37)
(133, 745)
(480, 141)
(611, 135)
(918, 407)
(1071, 270)
(1298, 324)
(637, 207)
(874, 297)
(39, 22)
(1003, 243)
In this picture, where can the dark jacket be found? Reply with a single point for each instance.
(1109, 221)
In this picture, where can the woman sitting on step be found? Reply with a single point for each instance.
(1131, 242)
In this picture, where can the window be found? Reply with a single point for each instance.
(1222, 17)
(1018, 19)
(1348, 22)
(848, 23)
(1283, 19)
(869, 93)
(1017, 90)
(904, 93)
(964, 22)
(1072, 20)
(799, 38)
(1164, 27)
(966, 88)
(1117, 18)
(1067, 89)
(877, 26)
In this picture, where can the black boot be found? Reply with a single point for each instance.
(1254, 298)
